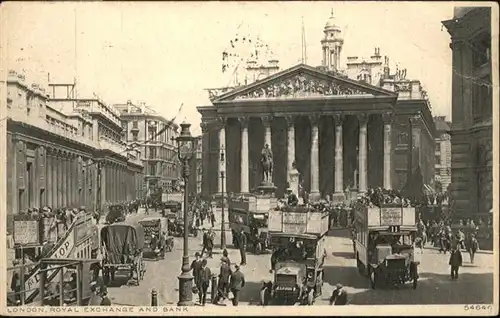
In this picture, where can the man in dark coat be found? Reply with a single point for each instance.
(205, 276)
(224, 275)
(196, 265)
(204, 241)
(455, 262)
(210, 242)
(236, 284)
(242, 243)
(339, 296)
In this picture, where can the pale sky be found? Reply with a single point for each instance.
(165, 54)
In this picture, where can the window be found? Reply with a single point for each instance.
(135, 124)
(152, 169)
(135, 136)
(152, 152)
(438, 146)
(438, 160)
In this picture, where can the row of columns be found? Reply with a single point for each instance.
(314, 119)
(115, 182)
(68, 179)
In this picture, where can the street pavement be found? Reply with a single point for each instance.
(474, 286)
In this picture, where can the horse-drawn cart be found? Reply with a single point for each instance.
(123, 250)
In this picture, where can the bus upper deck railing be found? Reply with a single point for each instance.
(18, 296)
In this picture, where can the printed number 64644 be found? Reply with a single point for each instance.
(477, 307)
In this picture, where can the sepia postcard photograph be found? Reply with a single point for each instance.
(264, 158)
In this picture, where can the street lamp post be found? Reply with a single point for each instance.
(185, 151)
(223, 216)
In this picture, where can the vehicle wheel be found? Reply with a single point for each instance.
(258, 248)
(310, 298)
(373, 278)
(415, 277)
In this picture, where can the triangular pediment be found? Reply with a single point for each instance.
(299, 82)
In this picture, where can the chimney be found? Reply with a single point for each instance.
(129, 106)
(143, 107)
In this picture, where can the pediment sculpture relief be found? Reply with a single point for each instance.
(402, 87)
(300, 85)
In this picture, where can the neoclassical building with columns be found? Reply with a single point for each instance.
(356, 128)
(322, 122)
(65, 152)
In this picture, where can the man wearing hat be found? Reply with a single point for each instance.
(339, 296)
(236, 284)
(224, 275)
(205, 277)
(196, 267)
(292, 199)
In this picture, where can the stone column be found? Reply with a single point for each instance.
(338, 194)
(48, 176)
(290, 121)
(55, 181)
(387, 118)
(222, 149)
(314, 193)
(244, 186)
(267, 122)
(60, 185)
(69, 178)
(363, 163)
(205, 157)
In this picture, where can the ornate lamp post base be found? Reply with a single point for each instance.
(185, 288)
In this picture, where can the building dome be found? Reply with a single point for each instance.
(330, 24)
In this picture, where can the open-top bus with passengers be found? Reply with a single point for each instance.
(250, 214)
(298, 243)
(384, 244)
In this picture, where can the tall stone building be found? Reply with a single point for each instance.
(471, 129)
(196, 165)
(64, 151)
(443, 151)
(154, 135)
(361, 127)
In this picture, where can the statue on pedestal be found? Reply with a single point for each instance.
(266, 160)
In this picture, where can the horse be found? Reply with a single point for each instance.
(267, 167)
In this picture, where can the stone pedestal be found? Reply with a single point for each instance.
(338, 198)
(267, 189)
(293, 178)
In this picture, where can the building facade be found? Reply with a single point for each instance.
(64, 152)
(471, 129)
(443, 151)
(339, 131)
(196, 166)
(143, 128)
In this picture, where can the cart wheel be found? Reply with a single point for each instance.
(264, 297)
(310, 298)
(106, 276)
(258, 248)
(373, 278)
(415, 277)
